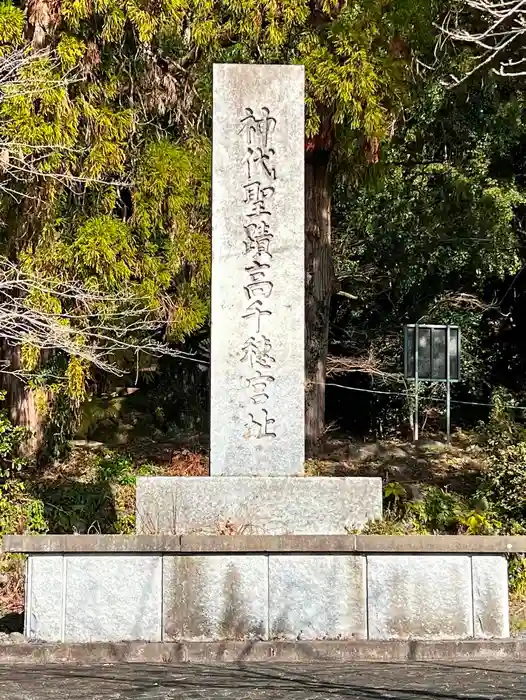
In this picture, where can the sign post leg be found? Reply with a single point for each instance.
(448, 411)
(415, 427)
(448, 387)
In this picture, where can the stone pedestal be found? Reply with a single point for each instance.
(254, 596)
(245, 505)
(221, 589)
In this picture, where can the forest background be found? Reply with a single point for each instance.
(416, 211)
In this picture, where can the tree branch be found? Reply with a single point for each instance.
(87, 324)
(505, 30)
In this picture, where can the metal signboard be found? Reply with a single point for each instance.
(432, 354)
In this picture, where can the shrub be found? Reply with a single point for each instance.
(434, 510)
(504, 482)
(20, 513)
(119, 469)
(11, 439)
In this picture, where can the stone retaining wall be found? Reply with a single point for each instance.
(191, 588)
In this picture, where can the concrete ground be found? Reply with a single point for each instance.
(328, 681)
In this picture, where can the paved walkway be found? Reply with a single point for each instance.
(363, 681)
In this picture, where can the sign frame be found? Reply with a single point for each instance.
(414, 376)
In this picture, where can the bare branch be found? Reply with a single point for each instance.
(21, 163)
(367, 364)
(87, 324)
(504, 31)
(462, 300)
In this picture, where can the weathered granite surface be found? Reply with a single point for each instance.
(296, 596)
(262, 505)
(208, 598)
(277, 653)
(278, 544)
(45, 597)
(257, 380)
(111, 598)
(317, 597)
(419, 597)
(91, 544)
(490, 596)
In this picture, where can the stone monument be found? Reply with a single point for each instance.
(257, 483)
(257, 403)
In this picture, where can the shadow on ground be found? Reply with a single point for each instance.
(12, 622)
(73, 506)
(429, 461)
(364, 681)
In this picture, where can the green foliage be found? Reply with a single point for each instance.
(20, 513)
(434, 511)
(102, 250)
(70, 51)
(59, 413)
(103, 500)
(501, 430)
(11, 27)
(394, 490)
(354, 74)
(124, 525)
(517, 576)
(11, 439)
(118, 178)
(436, 223)
(117, 196)
(77, 507)
(121, 470)
(435, 215)
(506, 478)
(504, 481)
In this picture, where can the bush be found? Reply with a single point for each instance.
(11, 439)
(20, 513)
(504, 482)
(432, 510)
(120, 469)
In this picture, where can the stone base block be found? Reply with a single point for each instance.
(262, 505)
(214, 597)
(209, 598)
(45, 597)
(317, 597)
(490, 596)
(420, 597)
(120, 598)
(190, 596)
(94, 598)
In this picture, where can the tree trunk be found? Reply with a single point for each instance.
(21, 402)
(42, 18)
(319, 282)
